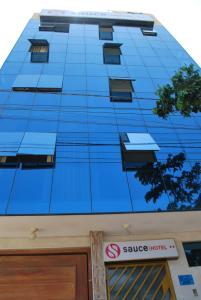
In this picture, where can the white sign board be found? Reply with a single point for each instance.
(139, 250)
(94, 14)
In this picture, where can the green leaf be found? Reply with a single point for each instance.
(182, 95)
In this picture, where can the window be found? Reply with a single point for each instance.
(148, 32)
(8, 161)
(121, 90)
(30, 149)
(105, 32)
(39, 51)
(37, 149)
(139, 280)
(111, 53)
(193, 253)
(55, 27)
(42, 83)
(9, 144)
(137, 149)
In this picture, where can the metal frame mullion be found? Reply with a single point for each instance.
(149, 288)
(134, 282)
(141, 285)
(116, 281)
(129, 276)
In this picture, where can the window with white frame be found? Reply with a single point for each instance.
(137, 149)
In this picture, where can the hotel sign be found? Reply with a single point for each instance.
(139, 250)
(95, 14)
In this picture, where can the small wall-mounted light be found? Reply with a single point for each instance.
(33, 233)
(195, 292)
(127, 227)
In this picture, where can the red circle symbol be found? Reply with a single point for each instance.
(112, 251)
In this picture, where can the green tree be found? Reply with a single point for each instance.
(182, 185)
(182, 95)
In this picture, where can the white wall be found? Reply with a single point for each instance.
(177, 267)
(180, 267)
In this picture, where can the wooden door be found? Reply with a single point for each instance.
(44, 277)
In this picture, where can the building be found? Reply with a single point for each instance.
(87, 194)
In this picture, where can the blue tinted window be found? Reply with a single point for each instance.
(147, 32)
(74, 48)
(94, 59)
(142, 84)
(97, 84)
(158, 72)
(50, 82)
(152, 61)
(139, 192)
(73, 100)
(101, 121)
(6, 81)
(3, 97)
(120, 96)
(120, 90)
(111, 53)
(74, 83)
(34, 82)
(128, 49)
(53, 69)
(105, 35)
(57, 57)
(109, 188)
(29, 68)
(104, 154)
(37, 124)
(10, 68)
(48, 99)
(146, 51)
(193, 253)
(75, 58)
(26, 81)
(21, 99)
(69, 122)
(56, 47)
(79, 40)
(6, 179)
(75, 69)
(39, 50)
(10, 142)
(117, 71)
(19, 124)
(55, 27)
(31, 192)
(138, 72)
(96, 70)
(16, 56)
(38, 143)
(112, 59)
(71, 188)
(132, 60)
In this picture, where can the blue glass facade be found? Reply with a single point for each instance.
(88, 177)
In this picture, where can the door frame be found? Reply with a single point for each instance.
(56, 251)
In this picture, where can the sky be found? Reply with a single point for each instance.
(181, 17)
